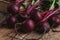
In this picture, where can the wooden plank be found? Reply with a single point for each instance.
(33, 35)
(9, 34)
(3, 33)
(3, 6)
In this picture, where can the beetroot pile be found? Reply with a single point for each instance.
(29, 17)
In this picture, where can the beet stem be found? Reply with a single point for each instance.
(45, 18)
(32, 7)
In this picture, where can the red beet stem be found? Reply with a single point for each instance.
(32, 7)
(45, 18)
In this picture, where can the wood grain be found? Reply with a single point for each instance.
(10, 34)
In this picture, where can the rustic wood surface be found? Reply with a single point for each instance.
(10, 34)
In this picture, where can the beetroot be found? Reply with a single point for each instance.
(30, 16)
(43, 27)
(11, 21)
(56, 21)
(16, 5)
(36, 15)
(29, 25)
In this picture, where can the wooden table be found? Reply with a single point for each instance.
(10, 34)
